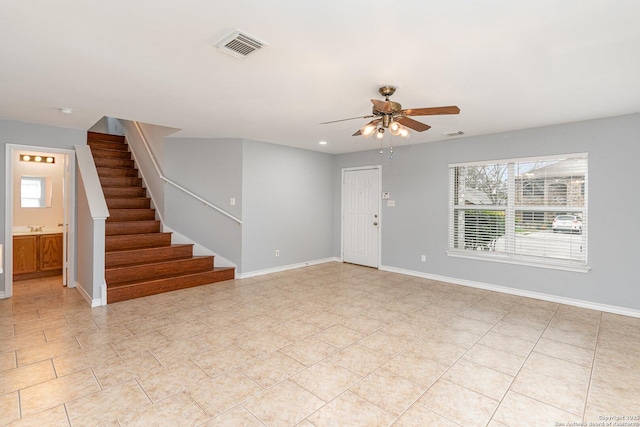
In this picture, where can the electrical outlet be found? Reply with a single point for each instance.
(277, 252)
(424, 258)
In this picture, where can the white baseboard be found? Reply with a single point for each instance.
(2, 295)
(92, 302)
(520, 292)
(284, 268)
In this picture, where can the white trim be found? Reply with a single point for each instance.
(512, 259)
(285, 268)
(521, 159)
(103, 291)
(2, 295)
(92, 302)
(198, 249)
(8, 215)
(380, 222)
(520, 292)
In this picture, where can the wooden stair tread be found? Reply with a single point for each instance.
(115, 171)
(124, 192)
(117, 228)
(128, 202)
(159, 263)
(131, 214)
(157, 286)
(137, 273)
(126, 257)
(106, 153)
(105, 136)
(136, 241)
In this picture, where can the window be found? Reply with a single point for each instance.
(517, 211)
(35, 192)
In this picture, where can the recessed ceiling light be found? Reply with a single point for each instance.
(322, 142)
(65, 110)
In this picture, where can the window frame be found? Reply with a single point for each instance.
(510, 208)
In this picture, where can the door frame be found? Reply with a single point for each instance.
(378, 168)
(69, 199)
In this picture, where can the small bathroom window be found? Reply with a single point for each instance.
(35, 192)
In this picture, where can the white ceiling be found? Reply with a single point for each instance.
(507, 64)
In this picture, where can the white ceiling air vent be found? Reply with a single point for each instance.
(457, 133)
(239, 44)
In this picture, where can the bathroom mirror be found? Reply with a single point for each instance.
(35, 192)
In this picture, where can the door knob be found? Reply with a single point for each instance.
(375, 223)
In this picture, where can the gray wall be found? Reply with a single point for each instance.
(417, 178)
(12, 132)
(288, 206)
(212, 169)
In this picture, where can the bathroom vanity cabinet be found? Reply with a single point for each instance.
(37, 255)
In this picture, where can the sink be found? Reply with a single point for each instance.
(25, 230)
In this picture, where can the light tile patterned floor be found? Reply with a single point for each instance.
(327, 345)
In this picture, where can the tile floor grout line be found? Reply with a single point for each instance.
(523, 363)
(593, 364)
(66, 411)
(533, 398)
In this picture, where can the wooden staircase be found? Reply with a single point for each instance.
(139, 259)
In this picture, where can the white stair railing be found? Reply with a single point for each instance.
(175, 184)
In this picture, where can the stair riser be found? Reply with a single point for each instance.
(166, 253)
(129, 203)
(124, 293)
(131, 227)
(128, 172)
(116, 192)
(106, 145)
(136, 241)
(145, 272)
(116, 181)
(108, 162)
(110, 154)
(97, 136)
(131, 214)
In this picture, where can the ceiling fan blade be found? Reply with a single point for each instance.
(344, 120)
(372, 122)
(413, 124)
(382, 106)
(433, 111)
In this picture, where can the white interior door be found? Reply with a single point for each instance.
(361, 217)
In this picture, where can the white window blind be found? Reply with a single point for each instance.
(531, 211)
(32, 192)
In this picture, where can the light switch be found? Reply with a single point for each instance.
(385, 195)
(232, 201)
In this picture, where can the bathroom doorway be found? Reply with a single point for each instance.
(39, 215)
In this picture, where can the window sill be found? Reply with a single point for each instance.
(511, 259)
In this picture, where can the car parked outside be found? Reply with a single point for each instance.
(570, 223)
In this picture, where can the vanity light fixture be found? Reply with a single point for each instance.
(37, 159)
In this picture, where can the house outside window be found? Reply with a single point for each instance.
(518, 211)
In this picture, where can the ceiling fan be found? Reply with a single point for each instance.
(390, 115)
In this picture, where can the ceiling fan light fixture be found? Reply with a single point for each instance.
(404, 132)
(395, 128)
(380, 133)
(367, 130)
